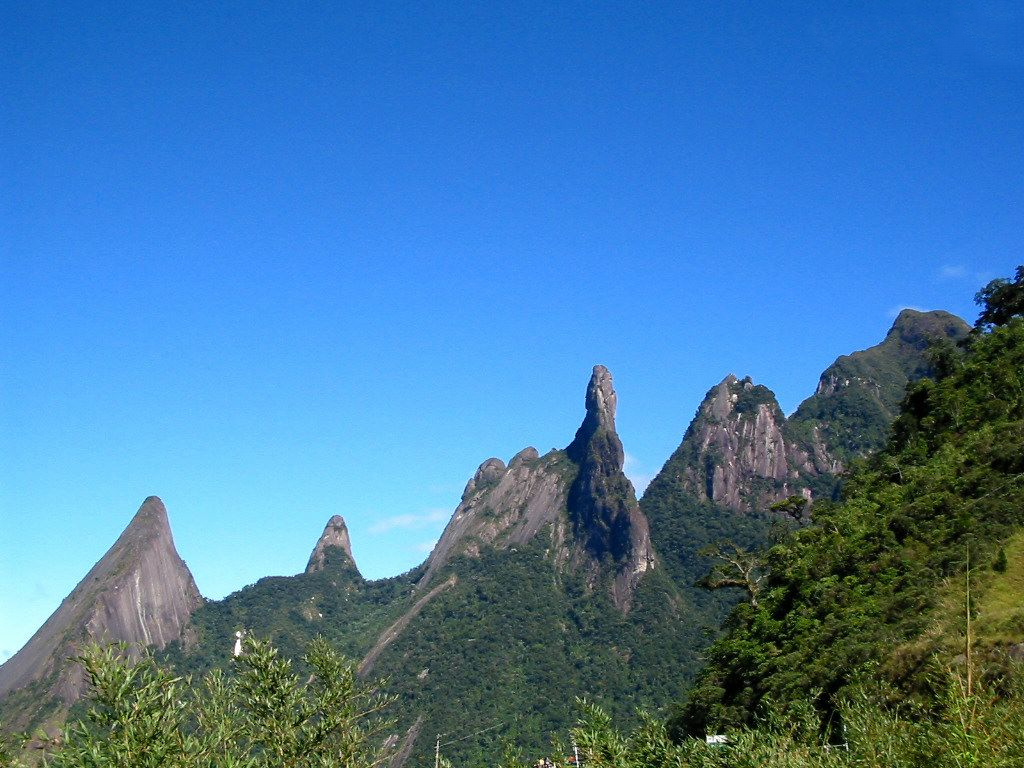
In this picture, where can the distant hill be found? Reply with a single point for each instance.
(858, 396)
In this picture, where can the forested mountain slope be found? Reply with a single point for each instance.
(878, 581)
(551, 581)
(543, 587)
(740, 454)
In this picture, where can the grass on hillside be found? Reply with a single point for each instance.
(999, 605)
(997, 616)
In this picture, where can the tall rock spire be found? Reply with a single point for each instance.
(602, 503)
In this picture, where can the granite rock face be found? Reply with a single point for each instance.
(505, 506)
(739, 455)
(335, 537)
(579, 495)
(602, 504)
(742, 453)
(140, 592)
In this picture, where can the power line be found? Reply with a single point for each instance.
(470, 735)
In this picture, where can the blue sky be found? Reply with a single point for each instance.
(278, 262)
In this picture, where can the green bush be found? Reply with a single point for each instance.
(982, 727)
(258, 715)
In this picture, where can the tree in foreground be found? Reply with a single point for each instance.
(259, 715)
(979, 728)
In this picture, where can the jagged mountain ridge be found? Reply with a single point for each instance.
(140, 592)
(549, 551)
(580, 495)
(568, 525)
(740, 452)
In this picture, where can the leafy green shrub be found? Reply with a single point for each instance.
(260, 715)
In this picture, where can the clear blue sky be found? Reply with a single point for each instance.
(275, 263)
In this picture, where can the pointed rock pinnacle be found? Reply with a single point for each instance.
(335, 536)
(601, 401)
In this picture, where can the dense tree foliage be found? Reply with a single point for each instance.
(522, 670)
(141, 714)
(970, 729)
(1001, 301)
(878, 580)
(513, 641)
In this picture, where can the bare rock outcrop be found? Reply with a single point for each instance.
(740, 456)
(742, 453)
(602, 504)
(505, 506)
(140, 592)
(580, 496)
(333, 542)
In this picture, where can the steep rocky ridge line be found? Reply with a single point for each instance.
(858, 396)
(140, 592)
(742, 453)
(504, 506)
(580, 496)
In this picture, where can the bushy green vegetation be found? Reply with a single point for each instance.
(878, 581)
(260, 714)
(682, 527)
(511, 643)
(980, 728)
(335, 602)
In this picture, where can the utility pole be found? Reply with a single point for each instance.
(970, 668)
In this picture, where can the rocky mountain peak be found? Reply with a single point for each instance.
(600, 403)
(580, 496)
(335, 536)
(140, 592)
(602, 504)
(735, 452)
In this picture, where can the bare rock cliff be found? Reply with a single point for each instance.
(140, 592)
(738, 454)
(602, 504)
(504, 506)
(742, 453)
(333, 542)
(579, 495)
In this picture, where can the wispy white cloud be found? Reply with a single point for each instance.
(425, 547)
(953, 272)
(5, 654)
(638, 476)
(411, 521)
